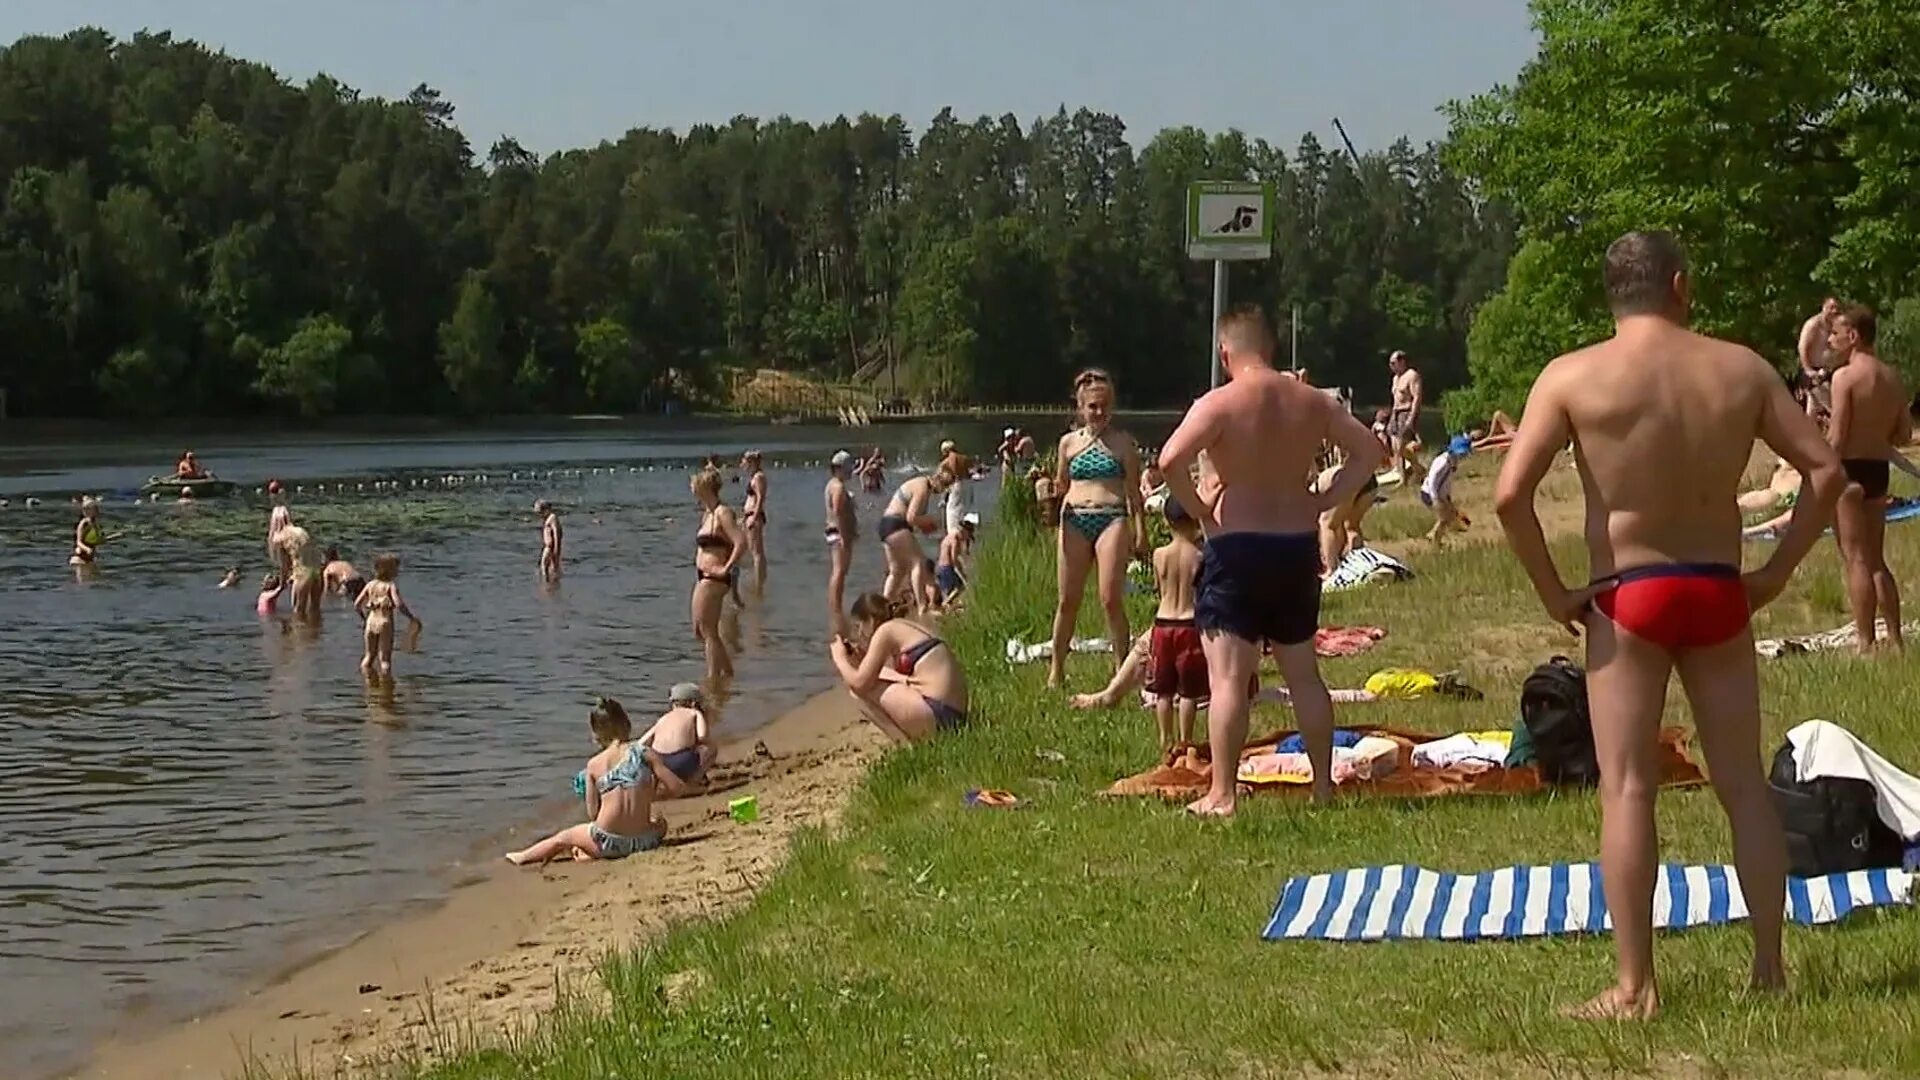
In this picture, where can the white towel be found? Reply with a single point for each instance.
(1020, 653)
(1827, 750)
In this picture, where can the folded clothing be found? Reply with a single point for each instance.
(1297, 743)
(1333, 641)
(1369, 757)
(1471, 749)
(1822, 749)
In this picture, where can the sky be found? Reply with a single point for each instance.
(559, 74)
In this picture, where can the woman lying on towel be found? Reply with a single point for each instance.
(908, 682)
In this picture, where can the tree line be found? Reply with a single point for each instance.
(1779, 139)
(186, 233)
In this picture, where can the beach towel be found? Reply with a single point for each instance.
(1840, 637)
(1897, 511)
(1362, 566)
(1822, 749)
(1018, 652)
(1183, 773)
(1380, 903)
(1333, 641)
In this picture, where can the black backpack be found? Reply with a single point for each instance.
(1830, 822)
(1553, 706)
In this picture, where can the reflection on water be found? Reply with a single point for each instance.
(191, 794)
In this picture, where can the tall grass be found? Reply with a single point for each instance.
(1082, 936)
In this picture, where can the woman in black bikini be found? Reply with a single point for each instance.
(717, 548)
(907, 681)
(906, 512)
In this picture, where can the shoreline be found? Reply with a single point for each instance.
(494, 953)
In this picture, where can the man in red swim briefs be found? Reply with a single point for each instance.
(1667, 592)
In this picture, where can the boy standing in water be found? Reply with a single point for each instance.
(1177, 663)
(550, 537)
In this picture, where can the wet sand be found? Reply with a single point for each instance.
(490, 956)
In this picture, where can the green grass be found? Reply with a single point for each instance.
(1082, 936)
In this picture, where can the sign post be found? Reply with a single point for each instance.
(1227, 220)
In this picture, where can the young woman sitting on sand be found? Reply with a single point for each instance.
(908, 682)
(619, 786)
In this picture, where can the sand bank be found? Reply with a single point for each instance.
(491, 956)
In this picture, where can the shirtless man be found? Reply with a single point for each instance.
(1260, 574)
(1869, 420)
(1403, 421)
(1817, 359)
(1667, 592)
(842, 530)
(551, 538)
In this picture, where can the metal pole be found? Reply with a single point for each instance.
(1219, 309)
(1293, 324)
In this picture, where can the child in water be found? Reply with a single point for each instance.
(619, 792)
(87, 537)
(677, 746)
(231, 579)
(378, 602)
(271, 587)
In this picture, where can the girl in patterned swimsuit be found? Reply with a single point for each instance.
(378, 601)
(619, 789)
(1099, 475)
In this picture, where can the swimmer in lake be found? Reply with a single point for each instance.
(754, 514)
(678, 747)
(268, 602)
(551, 540)
(340, 577)
(87, 536)
(619, 792)
(231, 579)
(377, 603)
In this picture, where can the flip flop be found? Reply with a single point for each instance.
(991, 798)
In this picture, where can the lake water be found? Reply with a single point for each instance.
(192, 796)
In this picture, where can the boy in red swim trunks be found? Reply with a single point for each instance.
(1176, 662)
(1663, 421)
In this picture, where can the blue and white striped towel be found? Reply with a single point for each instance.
(1377, 903)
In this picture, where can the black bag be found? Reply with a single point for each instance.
(1831, 824)
(1553, 706)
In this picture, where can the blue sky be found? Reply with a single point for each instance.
(564, 73)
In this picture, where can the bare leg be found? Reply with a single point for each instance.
(757, 543)
(1886, 591)
(1723, 685)
(1627, 688)
(1123, 680)
(840, 558)
(1163, 720)
(386, 650)
(576, 838)
(1230, 664)
(898, 710)
(1849, 532)
(1312, 710)
(1111, 556)
(1075, 559)
(1189, 711)
(1333, 534)
(369, 661)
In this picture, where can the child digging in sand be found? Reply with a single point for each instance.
(619, 791)
(677, 746)
(378, 602)
(1177, 667)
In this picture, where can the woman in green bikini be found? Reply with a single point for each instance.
(1101, 521)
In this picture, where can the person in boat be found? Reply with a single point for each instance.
(87, 536)
(188, 468)
(908, 683)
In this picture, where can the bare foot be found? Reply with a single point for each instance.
(1091, 701)
(1208, 806)
(517, 858)
(1768, 978)
(1616, 1004)
(1322, 793)
(581, 856)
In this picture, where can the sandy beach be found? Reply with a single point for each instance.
(492, 955)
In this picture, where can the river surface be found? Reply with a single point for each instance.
(192, 796)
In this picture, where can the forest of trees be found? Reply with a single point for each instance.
(187, 234)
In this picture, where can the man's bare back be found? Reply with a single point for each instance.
(1266, 430)
(1636, 405)
(1174, 567)
(1870, 409)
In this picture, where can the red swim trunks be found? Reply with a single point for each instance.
(1176, 664)
(1679, 607)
